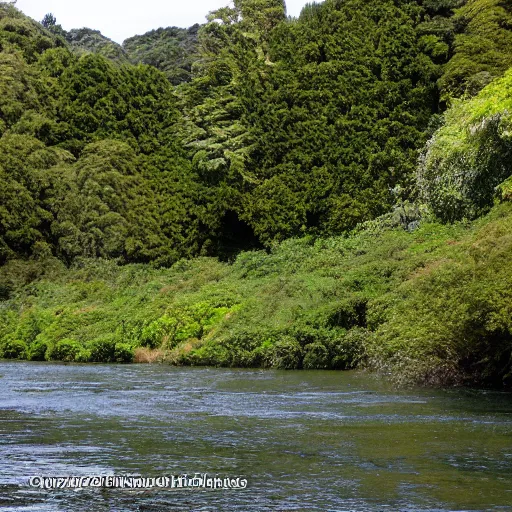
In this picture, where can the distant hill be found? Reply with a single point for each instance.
(170, 50)
(89, 40)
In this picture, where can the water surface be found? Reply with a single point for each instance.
(306, 441)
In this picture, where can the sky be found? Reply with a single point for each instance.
(120, 19)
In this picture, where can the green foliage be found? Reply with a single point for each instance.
(285, 127)
(316, 357)
(450, 321)
(349, 351)
(482, 47)
(83, 356)
(504, 190)
(123, 353)
(103, 350)
(430, 304)
(97, 203)
(180, 323)
(13, 349)
(287, 354)
(123, 187)
(470, 155)
(64, 350)
(20, 33)
(304, 126)
(171, 50)
(279, 128)
(86, 40)
(49, 20)
(37, 351)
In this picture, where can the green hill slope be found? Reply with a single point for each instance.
(171, 50)
(86, 40)
(283, 193)
(432, 306)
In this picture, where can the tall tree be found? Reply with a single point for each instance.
(49, 20)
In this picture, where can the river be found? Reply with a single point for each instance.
(304, 441)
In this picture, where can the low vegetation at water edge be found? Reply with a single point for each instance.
(431, 305)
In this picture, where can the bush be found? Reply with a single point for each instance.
(504, 190)
(261, 356)
(6, 288)
(63, 350)
(316, 357)
(83, 356)
(450, 323)
(14, 349)
(350, 349)
(37, 351)
(287, 354)
(103, 350)
(210, 354)
(123, 353)
(470, 155)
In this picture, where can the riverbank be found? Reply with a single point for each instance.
(431, 305)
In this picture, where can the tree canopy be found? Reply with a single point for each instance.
(255, 127)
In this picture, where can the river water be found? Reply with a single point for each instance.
(305, 441)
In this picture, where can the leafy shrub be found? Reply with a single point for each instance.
(5, 288)
(316, 357)
(350, 349)
(37, 351)
(123, 353)
(450, 322)
(470, 155)
(209, 354)
(181, 323)
(32, 324)
(63, 350)
(261, 356)
(83, 356)
(287, 354)
(14, 349)
(482, 47)
(152, 334)
(103, 350)
(504, 190)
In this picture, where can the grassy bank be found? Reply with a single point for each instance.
(432, 305)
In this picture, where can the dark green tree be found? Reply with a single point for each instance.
(49, 21)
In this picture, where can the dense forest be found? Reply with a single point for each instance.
(327, 191)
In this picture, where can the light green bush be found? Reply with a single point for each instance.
(470, 155)
(103, 350)
(37, 351)
(123, 353)
(316, 357)
(63, 350)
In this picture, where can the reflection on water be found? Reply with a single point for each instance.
(306, 441)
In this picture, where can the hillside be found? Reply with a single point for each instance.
(171, 50)
(430, 306)
(329, 191)
(86, 40)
